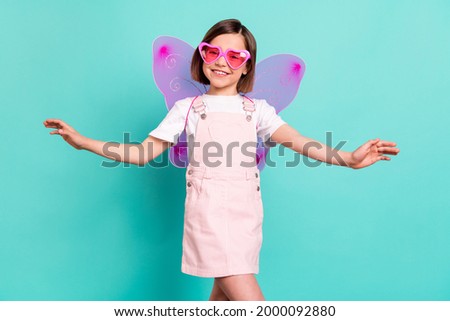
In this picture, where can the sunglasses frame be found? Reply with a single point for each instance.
(223, 54)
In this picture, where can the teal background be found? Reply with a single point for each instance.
(71, 229)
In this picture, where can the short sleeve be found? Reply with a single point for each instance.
(172, 125)
(268, 120)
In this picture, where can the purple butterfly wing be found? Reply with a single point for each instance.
(172, 74)
(172, 69)
(277, 80)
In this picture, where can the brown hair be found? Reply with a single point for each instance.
(245, 84)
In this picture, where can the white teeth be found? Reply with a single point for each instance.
(220, 72)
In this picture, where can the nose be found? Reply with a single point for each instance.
(221, 61)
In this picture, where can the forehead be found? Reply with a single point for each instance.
(229, 40)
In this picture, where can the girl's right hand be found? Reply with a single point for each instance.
(69, 134)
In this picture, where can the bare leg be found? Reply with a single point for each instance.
(242, 287)
(217, 294)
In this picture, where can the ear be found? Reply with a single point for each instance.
(245, 71)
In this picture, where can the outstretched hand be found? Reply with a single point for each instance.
(69, 134)
(371, 152)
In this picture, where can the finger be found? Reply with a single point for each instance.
(51, 121)
(56, 123)
(388, 150)
(55, 132)
(386, 143)
(52, 125)
(383, 158)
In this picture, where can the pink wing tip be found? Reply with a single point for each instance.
(295, 69)
(163, 52)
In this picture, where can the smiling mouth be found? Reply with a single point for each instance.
(219, 72)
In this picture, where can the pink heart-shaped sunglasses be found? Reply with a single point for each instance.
(235, 58)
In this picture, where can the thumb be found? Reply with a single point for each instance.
(366, 146)
(372, 142)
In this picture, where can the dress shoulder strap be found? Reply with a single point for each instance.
(198, 105)
(249, 107)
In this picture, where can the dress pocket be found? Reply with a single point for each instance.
(255, 196)
(258, 188)
(225, 133)
(255, 188)
(193, 190)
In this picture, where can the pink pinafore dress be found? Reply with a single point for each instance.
(223, 208)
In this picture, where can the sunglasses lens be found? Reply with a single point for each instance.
(209, 54)
(236, 58)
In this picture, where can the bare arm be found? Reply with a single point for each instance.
(365, 155)
(138, 154)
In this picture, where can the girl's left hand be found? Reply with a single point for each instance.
(371, 152)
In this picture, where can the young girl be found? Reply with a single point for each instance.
(223, 208)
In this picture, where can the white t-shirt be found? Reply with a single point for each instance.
(265, 118)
